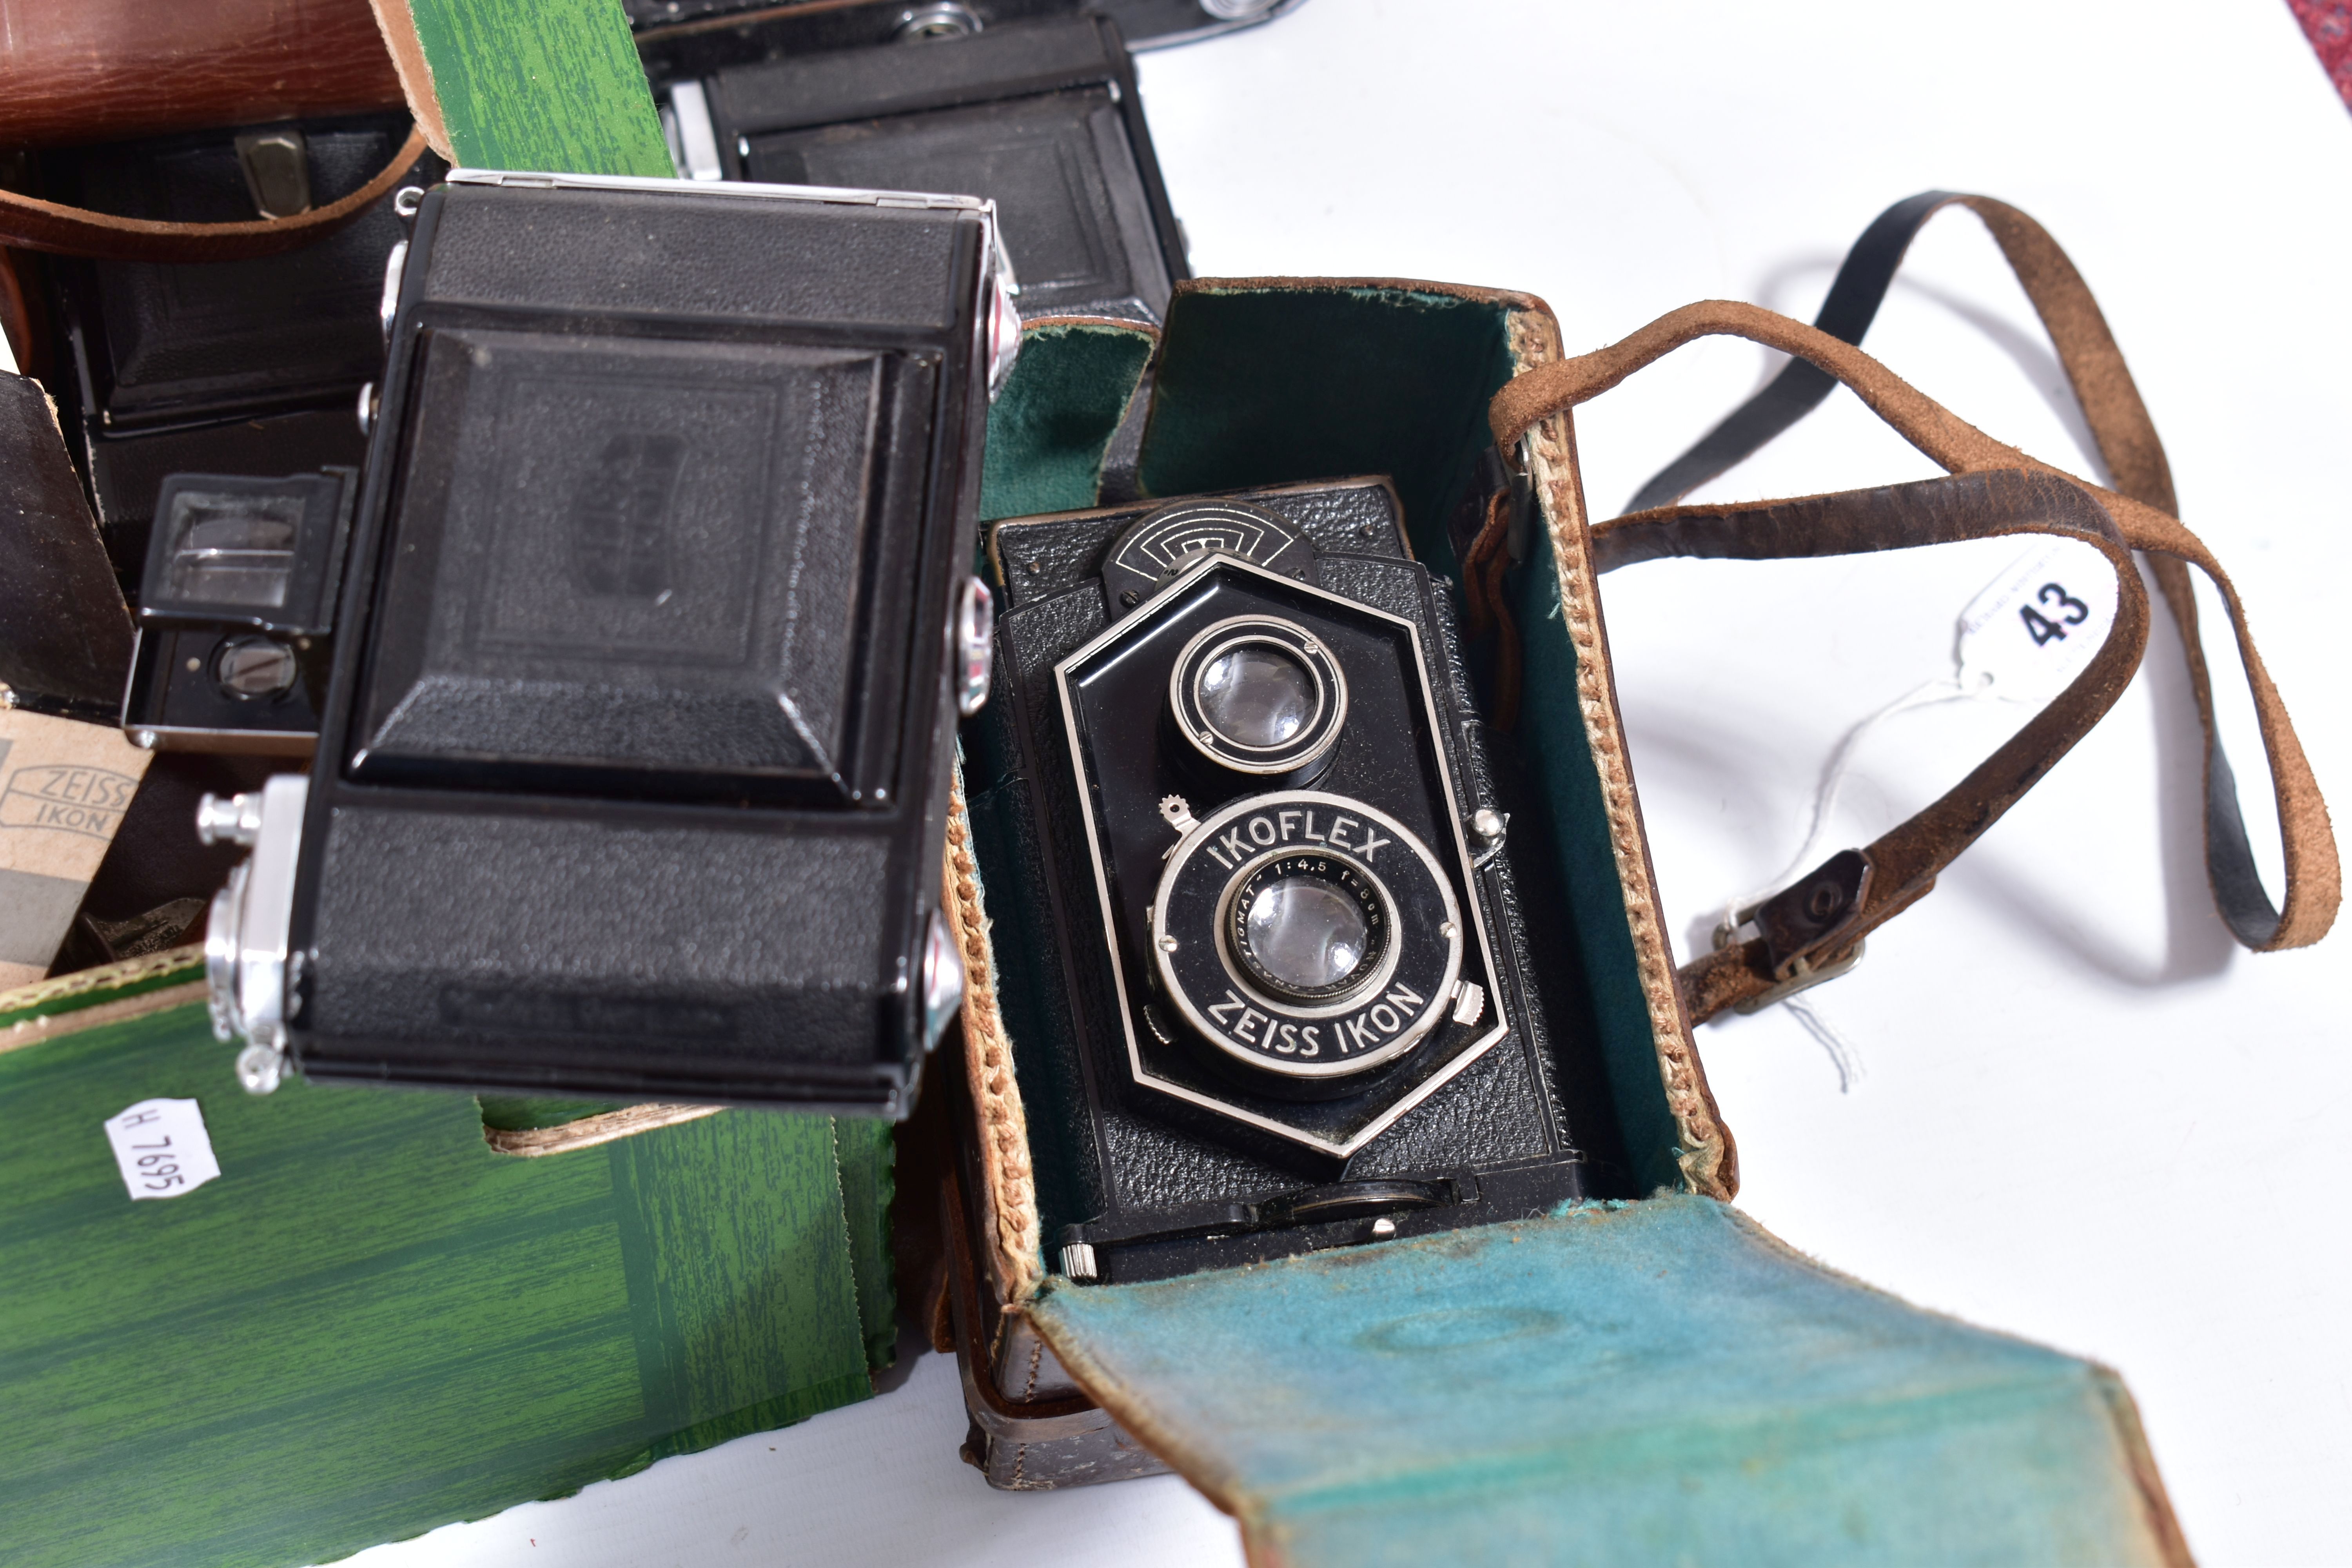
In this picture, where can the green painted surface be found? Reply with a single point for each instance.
(549, 85)
(866, 1152)
(1050, 425)
(731, 1293)
(370, 1324)
(1657, 1382)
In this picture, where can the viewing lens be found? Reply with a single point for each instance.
(1256, 696)
(1304, 933)
(232, 549)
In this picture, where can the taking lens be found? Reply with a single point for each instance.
(1308, 927)
(1257, 696)
(1305, 933)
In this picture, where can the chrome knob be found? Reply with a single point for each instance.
(975, 639)
(236, 820)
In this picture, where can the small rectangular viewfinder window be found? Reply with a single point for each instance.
(229, 549)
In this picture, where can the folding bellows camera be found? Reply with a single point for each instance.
(632, 775)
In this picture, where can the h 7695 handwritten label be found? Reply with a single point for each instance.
(162, 1148)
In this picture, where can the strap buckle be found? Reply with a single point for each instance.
(1800, 923)
(1806, 977)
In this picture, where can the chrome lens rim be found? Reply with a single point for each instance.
(1323, 1002)
(1201, 977)
(1293, 645)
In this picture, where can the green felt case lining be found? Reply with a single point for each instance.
(1054, 419)
(1265, 384)
(1659, 1382)
(1557, 753)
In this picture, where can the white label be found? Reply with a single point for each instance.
(162, 1148)
(2035, 628)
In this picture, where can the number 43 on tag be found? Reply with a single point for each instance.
(162, 1148)
(2036, 627)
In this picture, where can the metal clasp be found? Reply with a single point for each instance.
(1800, 920)
(1805, 978)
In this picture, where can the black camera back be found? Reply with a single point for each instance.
(1294, 996)
(633, 775)
(1040, 115)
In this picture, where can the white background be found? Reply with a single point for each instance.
(2082, 1115)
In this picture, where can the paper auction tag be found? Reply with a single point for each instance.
(162, 1148)
(2035, 627)
(64, 786)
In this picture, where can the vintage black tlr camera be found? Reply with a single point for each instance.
(1037, 112)
(250, 367)
(633, 772)
(1293, 1007)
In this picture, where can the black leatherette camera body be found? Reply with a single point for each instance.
(1162, 1149)
(634, 773)
(1040, 116)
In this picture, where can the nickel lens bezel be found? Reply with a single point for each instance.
(1186, 923)
(1328, 1001)
(1312, 742)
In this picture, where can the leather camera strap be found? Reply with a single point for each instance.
(2120, 427)
(1820, 920)
(37, 225)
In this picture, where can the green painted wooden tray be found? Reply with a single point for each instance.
(371, 1323)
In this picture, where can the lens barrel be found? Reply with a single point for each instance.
(1307, 933)
(1308, 928)
(1259, 695)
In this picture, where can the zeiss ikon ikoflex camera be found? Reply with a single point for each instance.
(1235, 749)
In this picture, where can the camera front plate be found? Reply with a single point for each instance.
(1389, 767)
(1411, 959)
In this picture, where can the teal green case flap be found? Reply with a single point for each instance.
(1050, 427)
(371, 1323)
(1660, 1381)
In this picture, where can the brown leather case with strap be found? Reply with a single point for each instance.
(1814, 926)
(90, 74)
